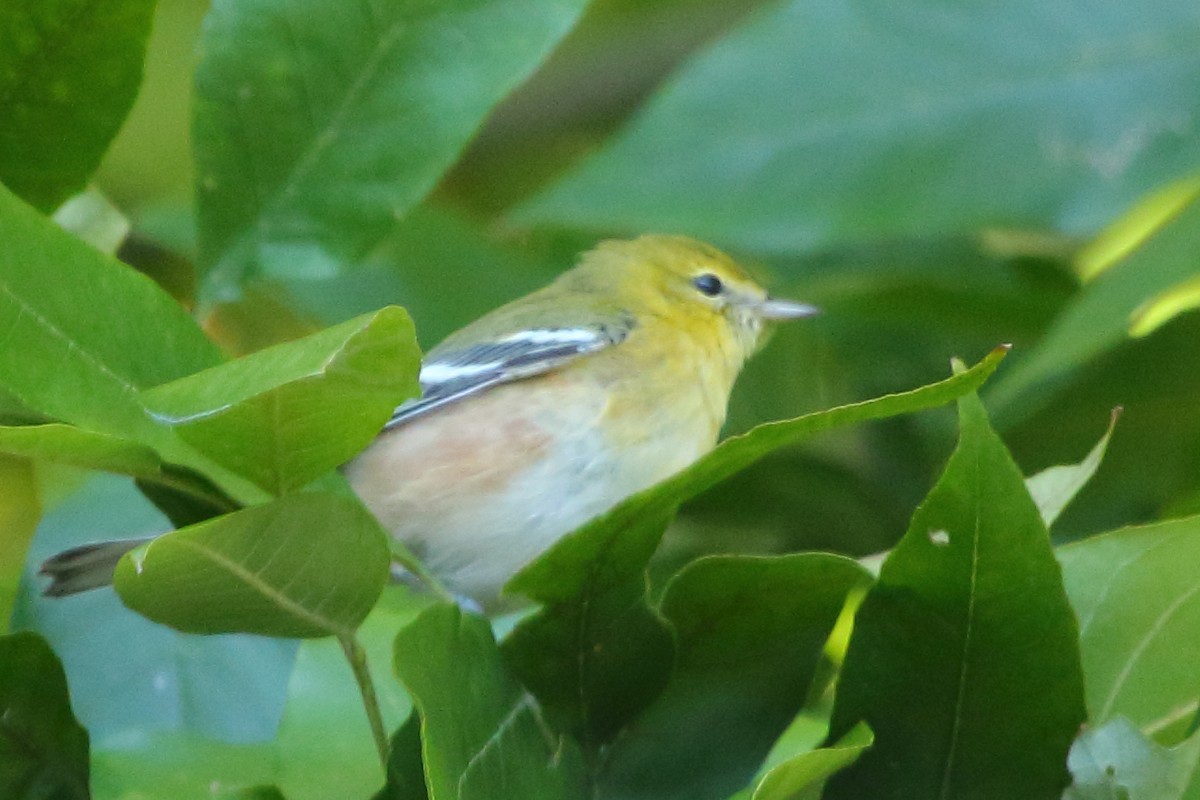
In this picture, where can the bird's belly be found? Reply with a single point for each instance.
(480, 489)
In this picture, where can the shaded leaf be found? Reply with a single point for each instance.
(1116, 762)
(316, 127)
(881, 119)
(964, 658)
(1054, 487)
(1137, 594)
(43, 749)
(69, 71)
(286, 415)
(481, 733)
(749, 633)
(405, 772)
(304, 565)
(803, 776)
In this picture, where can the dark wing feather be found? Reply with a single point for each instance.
(448, 376)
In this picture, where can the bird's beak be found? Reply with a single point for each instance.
(773, 308)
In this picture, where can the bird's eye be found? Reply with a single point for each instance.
(708, 284)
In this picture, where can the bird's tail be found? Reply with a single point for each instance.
(88, 566)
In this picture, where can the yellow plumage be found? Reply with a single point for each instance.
(553, 408)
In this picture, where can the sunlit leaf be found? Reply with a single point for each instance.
(964, 658)
(84, 332)
(318, 126)
(305, 565)
(69, 71)
(1162, 308)
(288, 414)
(43, 749)
(803, 776)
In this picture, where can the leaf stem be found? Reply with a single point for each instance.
(366, 687)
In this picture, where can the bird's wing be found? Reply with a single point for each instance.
(450, 373)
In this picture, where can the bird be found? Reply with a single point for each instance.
(548, 411)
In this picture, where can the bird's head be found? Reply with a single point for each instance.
(692, 282)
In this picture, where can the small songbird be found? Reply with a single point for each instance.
(548, 411)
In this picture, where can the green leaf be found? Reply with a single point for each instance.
(882, 119)
(43, 749)
(964, 658)
(69, 71)
(1099, 317)
(66, 444)
(286, 415)
(803, 776)
(571, 565)
(405, 772)
(302, 566)
(596, 654)
(750, 632)
(317, 127)
(481, 733)
(230, 688)
(1054, 487)
(182, 493)
(1115, 762)
(1137, 594)
(85, 333)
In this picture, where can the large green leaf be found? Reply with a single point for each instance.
(1099, 318)
(43, 749)
(823, 123)
(69, 70)
(308, 564)
(481, 733)
(750, 631)
(1137, 594)
(1116, 762)
(596, 654)
(964, 658)
(286, 415)
(318, 124)
(83, 332)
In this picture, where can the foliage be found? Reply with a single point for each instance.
(941, 180)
